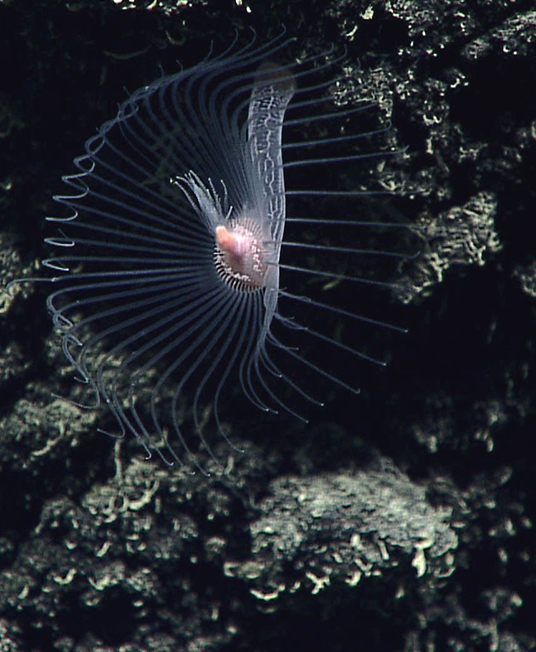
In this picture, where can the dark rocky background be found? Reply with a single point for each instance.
(402, 519)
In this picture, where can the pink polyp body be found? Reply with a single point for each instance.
(240, 256)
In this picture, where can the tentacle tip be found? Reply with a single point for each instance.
(120, 435)
(9, 288)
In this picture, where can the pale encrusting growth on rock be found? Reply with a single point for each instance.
(170, 266)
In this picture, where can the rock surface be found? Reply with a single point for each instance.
(402, 519)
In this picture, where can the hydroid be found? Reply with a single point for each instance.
(172, 266)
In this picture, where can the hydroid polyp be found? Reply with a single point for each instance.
(176, 281)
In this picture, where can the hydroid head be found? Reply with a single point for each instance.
(240, 255)
(169, 263)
